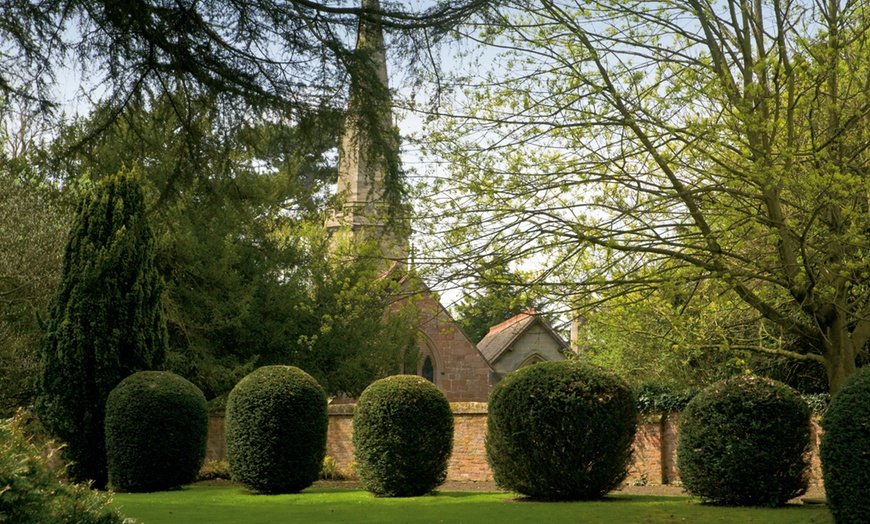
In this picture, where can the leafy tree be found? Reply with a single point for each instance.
(219, 190)
(678, 336)
(360, 322)
(623, 147)
(105, 322)
(34, 218)
(238, 211)
(496, 300)
(32, 233)
(255, 54)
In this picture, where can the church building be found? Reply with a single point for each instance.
(368, 153)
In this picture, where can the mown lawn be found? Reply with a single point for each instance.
(233, 504)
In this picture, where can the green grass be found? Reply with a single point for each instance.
(233, 504)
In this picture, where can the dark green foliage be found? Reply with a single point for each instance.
(34, 490)
(653, 398)
(241, 244)
(845, 451)
(105, 322)
(156, 432)
(500, 296)
(276, 430)
(743, 442)
(560, 431)
(402, 436)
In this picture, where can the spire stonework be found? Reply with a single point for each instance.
(369, 152)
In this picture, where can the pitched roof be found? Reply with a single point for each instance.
(502, 336)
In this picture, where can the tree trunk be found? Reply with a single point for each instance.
(839, 355)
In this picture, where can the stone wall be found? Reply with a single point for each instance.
(655, 446)
(655, 451)
(468, 461)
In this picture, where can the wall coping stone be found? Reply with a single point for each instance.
(458, 408)
(345, 410)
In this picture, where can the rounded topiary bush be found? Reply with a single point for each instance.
(403, 436)
(156, 432)
(275, 429)
(744, 442)
(561, 431)
(845, 451)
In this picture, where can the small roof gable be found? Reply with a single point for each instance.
(502, 336)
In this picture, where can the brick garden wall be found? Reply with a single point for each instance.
(655, 446)
(468, 461)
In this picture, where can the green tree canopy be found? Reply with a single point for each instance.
(34, 218)
(254, 54)
(625, 146)
(495, 300)
(238, 207)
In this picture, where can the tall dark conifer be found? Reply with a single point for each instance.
(105, 322)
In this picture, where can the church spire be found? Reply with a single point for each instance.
(368, 150)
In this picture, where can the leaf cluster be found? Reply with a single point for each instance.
(654, 398)
(35, 489)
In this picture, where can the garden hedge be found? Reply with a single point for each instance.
(156, 432)
(275, 429)
(402, 436)
(744, 442)
(845, 451)
(561, 431)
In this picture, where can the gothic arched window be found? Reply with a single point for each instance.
(428, 371)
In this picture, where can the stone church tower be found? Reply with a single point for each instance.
(368, 155)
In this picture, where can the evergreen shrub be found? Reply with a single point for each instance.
(105, 322)
(561, 431)
(744, 442)
(402, 436)
(845, 451)
(33, 486)
(156, 432)
(275, 428)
